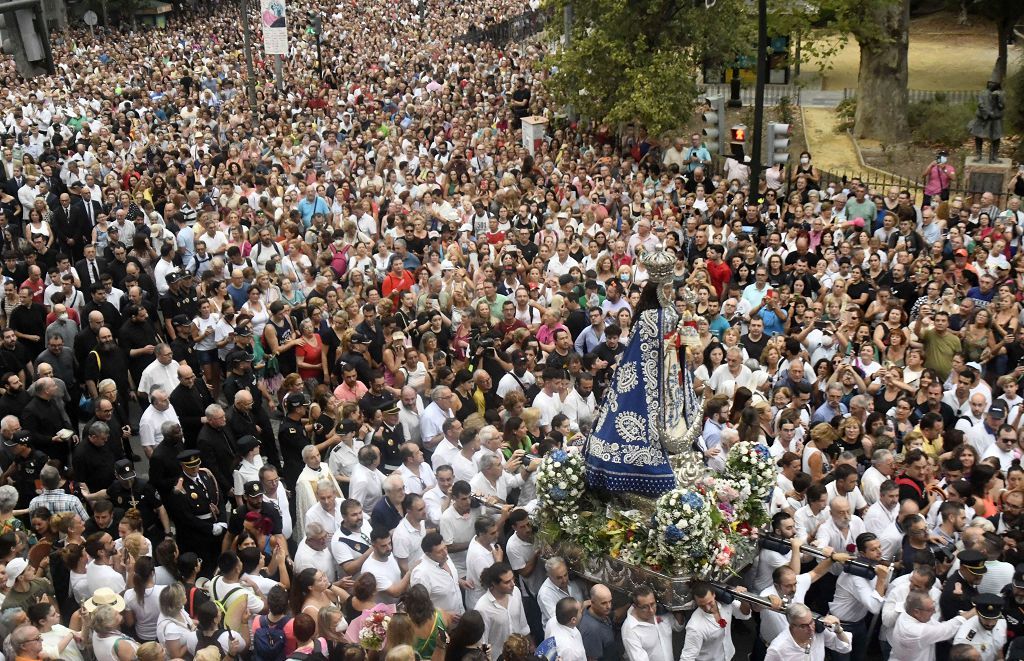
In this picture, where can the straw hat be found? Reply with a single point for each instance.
(104, 597)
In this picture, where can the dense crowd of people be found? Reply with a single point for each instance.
(278, 385)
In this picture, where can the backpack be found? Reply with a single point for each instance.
(224, 604)
(268, 639)
(318, 653)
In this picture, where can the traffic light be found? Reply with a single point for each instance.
(778, 143)
(714, 124)
(737, 141)
(23, 36)
(316, 26)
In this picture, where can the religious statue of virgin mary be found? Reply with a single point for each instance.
(651, 412)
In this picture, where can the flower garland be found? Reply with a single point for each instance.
(684, 525)
(374, 630)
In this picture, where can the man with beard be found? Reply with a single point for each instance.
(1013, 604)
(108, 361)
(14, 399)
(29, 322)
(241, 377)
(139, 340)
(44, 417)
(14, 356)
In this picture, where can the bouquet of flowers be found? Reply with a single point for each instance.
(685, 529)
(374, 629)
(752, 463)
(560, 485)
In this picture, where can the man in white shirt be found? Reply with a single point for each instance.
(463, 462)
(770, 559)
(799, 642)
(313, 552)
(350, 545)
(494, 481)
(883, 467)
(384, 567)
(434, 415)
(449, 445)
(915, 634)
(856, 597)
(557, 586)
(409, 533)
(483, 552)
(986, 631)
(523, 556)
(707, 638)
(153, 418)
(562, 628)
(501, 607)
(922, 579)
(646, 636)
(366, 485)
(162, 373)
(812, 515)
(230, 585)
(437, 573)
(327, 510)
(551, 396)
(414, 471)
(101, 572)
(845, 484)
(580, 404)
(792, 586)
(883, 513)
(457, 524)
(842, 528)
(438, 498)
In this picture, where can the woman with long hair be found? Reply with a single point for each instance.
(466, 637)
(429, 623)
(142, 601)
(311, 591)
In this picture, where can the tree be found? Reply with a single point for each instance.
(1005, 14)
(637, 60)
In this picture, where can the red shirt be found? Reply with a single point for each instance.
(720, 274)
(37, 289)
(393, 286)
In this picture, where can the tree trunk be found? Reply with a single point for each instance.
(882, 91)
(1004, 29)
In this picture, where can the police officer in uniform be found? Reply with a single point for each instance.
(389, 438)
(1013, 604)
(182, 346)
(986, 631)
(170, 302)
(253, 501)
(292, 436)
(24, 470)
(188, 296)
(959, 592)
(130, 491)
(255, 422)
(196, 508)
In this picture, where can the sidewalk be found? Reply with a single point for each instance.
(830, 151)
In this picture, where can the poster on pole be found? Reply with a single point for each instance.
(275, 28)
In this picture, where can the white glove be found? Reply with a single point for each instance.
(219, 528)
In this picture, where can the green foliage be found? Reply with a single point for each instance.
(938, 123)
(846, 111)
(637, 60)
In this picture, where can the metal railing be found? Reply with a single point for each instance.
(516, 28)
(916, 96)
(773, 94)
(880, 182)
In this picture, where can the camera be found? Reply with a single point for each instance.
(486, 342)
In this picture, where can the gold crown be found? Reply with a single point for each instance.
(660, 265)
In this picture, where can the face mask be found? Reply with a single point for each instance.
(340, 627)
(733, 189)
(804, 160)
(624, 277)
(549, 227)
(942, 159)
(360, 172)
(63, 316)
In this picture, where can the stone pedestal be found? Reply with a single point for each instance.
(534, 132)
(980, 176)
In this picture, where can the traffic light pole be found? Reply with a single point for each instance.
(762, 75)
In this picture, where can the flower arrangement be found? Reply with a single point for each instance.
(703, 527)
(374, 630)
(752, 463)
(560, 485)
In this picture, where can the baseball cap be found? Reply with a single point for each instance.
(15, 568)
(960, 252)
(997, 411)
(123, 469)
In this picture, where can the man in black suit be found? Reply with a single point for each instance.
(87, 211)
(12, 185)
(89, 267)
(190, 399)
(67, 233)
